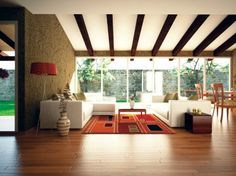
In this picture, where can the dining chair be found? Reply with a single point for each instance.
(221, 100)
(201, 95)
(199, 91)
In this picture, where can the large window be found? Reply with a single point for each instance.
(140, 77)
(89, 74)
(217, 70)
(166, 76)
(114, 79)
(125, 77)
(191, 72)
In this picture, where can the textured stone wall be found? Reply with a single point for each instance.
(7, 87)
(45, 41)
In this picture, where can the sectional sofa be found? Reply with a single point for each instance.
(172, 112)
(79, 112)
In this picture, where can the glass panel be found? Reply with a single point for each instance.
(217, 70)
(166, 76)
(140, 77)
(114, 79)
(7, 95)
(89, 74)
(191, 72)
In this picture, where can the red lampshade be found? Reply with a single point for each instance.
(43, 68)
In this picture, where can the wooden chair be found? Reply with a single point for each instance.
(201, 95)
(199, 91)
(221, 100)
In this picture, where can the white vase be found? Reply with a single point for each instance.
(63, 124)
(131, 103)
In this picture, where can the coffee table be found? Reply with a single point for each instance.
(141, 110)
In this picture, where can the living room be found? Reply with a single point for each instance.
(137, 67)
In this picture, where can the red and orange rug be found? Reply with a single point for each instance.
(126, 124)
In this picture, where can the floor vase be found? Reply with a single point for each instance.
(63, 124)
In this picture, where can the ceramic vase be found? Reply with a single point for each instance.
(63, 124)
(131, 103)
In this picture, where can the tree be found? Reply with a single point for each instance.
(89, 74)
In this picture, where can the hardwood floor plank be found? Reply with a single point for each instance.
(182, 153)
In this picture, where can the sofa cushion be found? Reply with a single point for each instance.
(79, 96)
(104, 106)
(161, 109)
(171, 96)
(193, 97)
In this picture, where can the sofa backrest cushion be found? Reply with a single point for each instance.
(79, 96)
(171, 96)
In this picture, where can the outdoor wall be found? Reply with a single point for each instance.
(234, 67)
(45, 41)
(8, 87)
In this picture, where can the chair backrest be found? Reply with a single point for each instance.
(218, 92)
(199, 91)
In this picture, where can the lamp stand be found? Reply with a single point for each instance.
(44, 88)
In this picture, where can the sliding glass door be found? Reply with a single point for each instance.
(7, 96)
(125, 77)
(8, 87)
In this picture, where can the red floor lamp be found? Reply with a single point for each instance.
(43, 69)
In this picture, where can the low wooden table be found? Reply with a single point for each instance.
(132, 110)
(198, 123)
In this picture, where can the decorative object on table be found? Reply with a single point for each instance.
(43, 69)
(132, 102)
(196, 111)
(63, 123)
(3, 73)
(66, 92)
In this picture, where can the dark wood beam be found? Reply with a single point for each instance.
(7, 40)
(165, 29)
(81, 24)
(148, 53)
(228, 21)
(110, 33)
(228, 43)
(199, 20)
(7, 58)
(138, 27)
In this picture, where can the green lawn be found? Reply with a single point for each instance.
(7, 108)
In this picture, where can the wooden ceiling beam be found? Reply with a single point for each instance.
(7, 40)
(228, 21)
(81, 24)
(7, 58)
(110, 33)
(138, 27)
(223, 47)
(165, 29)
(147, 53)
(199, 20)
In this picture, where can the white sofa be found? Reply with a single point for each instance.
(172, 113)
(79, 112)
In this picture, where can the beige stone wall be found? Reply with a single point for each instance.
(45, 41)
(234, 67)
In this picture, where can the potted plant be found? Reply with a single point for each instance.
(63, 123)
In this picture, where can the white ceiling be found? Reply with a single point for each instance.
(124, 19)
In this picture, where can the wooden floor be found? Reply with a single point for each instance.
(182, 153)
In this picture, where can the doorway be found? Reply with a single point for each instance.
(8, 77)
